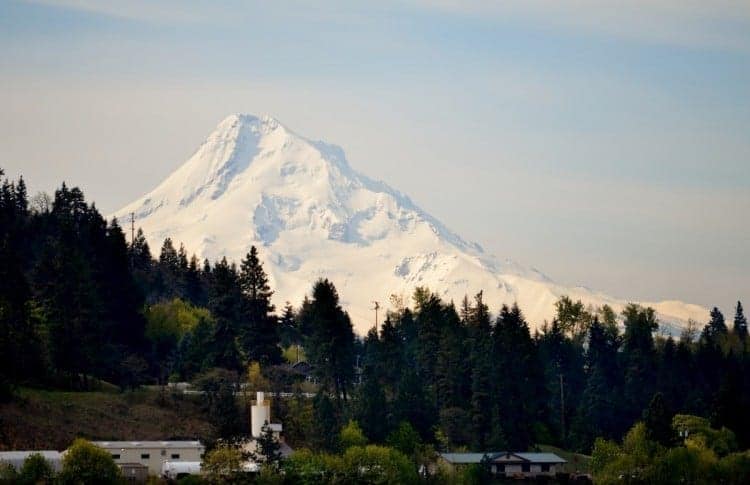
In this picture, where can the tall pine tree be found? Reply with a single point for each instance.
(740, 322)
(259, 332)
(330, 340)
(225, 305)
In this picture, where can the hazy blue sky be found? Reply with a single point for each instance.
(605, 142)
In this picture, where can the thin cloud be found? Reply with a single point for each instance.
(723, 24)
(139, 10)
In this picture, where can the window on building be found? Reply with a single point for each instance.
(175, 456)
(145, 456)
(115, 456)
(545, 467)
(525, 467)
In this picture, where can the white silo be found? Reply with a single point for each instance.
(260, 413)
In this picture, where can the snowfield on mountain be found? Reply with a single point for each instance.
(255, 182)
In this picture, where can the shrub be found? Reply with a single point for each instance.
(352, 435)
(36, 470)
(86, 463)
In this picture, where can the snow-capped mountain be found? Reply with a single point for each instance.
(255, 182)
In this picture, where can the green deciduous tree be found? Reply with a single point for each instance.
(85, 462)
(36, 470)
(352, 435)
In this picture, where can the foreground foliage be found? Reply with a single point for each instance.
(703, 459)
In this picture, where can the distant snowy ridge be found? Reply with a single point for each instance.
(255, 182)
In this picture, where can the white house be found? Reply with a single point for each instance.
(153, 454)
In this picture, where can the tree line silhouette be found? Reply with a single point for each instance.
(79, 303)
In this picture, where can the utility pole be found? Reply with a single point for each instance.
(377, 307)
(132, 229)
(131, 252)
(562, 408)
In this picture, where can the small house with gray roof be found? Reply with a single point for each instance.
(509, 464)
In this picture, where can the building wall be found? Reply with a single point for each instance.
(153, 458)
(534, 470)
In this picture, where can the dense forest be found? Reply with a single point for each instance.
(79, 303)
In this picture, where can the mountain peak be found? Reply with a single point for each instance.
(254, 182)
(263, 124)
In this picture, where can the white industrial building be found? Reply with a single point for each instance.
(16, 458)
(153, 454)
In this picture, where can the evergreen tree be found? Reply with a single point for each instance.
(171, 282)
(195, 291)
(658, 420)
(518, 381)
(564, 378)
(480, 359)
(218, 388)
(120, 298)
(268, 449)
(730, 401)
(66, 290)
(597, 414)
(572, 317)
(182, 259)
(391, 356)
(225, 305)
(20, 357)
(22, 201)
(330, 341)
(740, 323)
(259, 333)
(325, 423)
(195, 350)
(451, 368)
(288, 331)
(142, 268)
(413, 405)
(371, 408)
(668, 378)
(638, 359)
(429, 323)
(168, 257)
(715, 328)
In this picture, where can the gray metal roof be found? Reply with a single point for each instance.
(465, 458)
(541, 457)
(49, 454)
(148, 444)
(468, 458)
(16, 458)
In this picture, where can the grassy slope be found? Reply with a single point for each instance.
(38, 419)
(576, 462)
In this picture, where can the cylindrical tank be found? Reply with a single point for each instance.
(260, 413)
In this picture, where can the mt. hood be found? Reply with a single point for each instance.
(255, 182)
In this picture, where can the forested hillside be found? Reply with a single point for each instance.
(79, 302)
